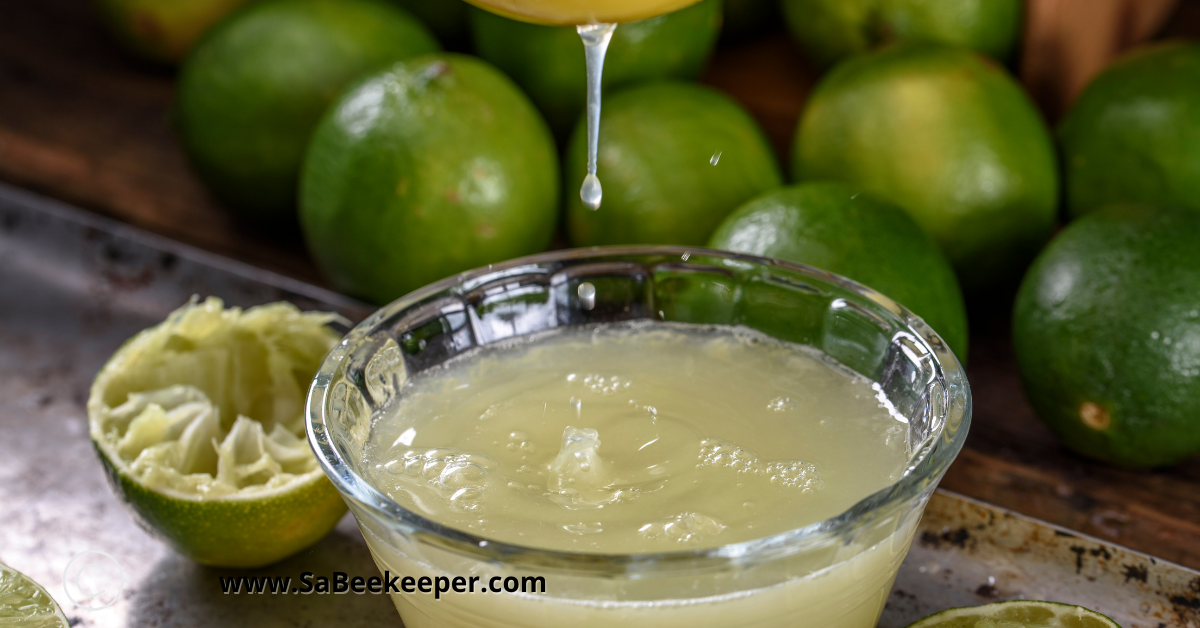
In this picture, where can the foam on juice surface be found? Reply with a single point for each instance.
(635, 439)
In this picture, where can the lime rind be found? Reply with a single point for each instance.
(1017, 614)
(25, 604)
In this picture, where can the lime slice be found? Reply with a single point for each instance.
(199, 423)
(1017, 614)
(25, 604)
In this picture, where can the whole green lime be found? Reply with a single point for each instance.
(548, 61)
(432, 167)
(253, 90)
(840, 229)
(950, 137)
(831, 30)
(446, 18)
(1134, 133)
(1105, 331)
(162, 31)
(674, 160)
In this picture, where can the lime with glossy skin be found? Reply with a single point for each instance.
(199, 423)
(446, 18)
(950, 137)
(674, 160)
(831, 30)
(1017, 614)
(840, 229)
(253, 90)
(163, 31)
(548, 61)
(432, 167)
(1134, 133)
(1104, 331)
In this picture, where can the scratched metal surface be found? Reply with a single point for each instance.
(74, 286)
(969, 553)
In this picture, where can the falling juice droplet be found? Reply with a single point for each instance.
(590, 192)
(715, 158)
(595, 44)
(587, 295)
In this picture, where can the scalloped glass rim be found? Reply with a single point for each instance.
(931, 458)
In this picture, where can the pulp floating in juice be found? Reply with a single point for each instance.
(638, 439)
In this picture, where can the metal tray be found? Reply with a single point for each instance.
(74, 286)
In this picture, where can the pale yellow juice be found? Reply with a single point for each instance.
(574, 12)
(638, 439)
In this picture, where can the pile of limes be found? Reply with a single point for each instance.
(1106, 327)
(919, 167)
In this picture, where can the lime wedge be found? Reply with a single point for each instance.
(25, 604)
(1017, 614)
(199, 423)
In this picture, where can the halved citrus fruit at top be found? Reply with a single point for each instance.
(1017, 614)
(26, 604)
(199, 423)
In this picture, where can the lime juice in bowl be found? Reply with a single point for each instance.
(645, 435)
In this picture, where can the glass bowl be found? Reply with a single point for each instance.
(835, 573)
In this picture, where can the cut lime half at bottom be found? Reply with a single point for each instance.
(1017, 614)
(25, 604)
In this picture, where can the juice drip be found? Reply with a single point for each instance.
(595, 44)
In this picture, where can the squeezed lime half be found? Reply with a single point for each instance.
(199, 423)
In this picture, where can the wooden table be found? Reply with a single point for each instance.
(81, 122)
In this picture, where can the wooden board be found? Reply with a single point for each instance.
(81, 122)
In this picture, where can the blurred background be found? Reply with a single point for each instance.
(86, 121)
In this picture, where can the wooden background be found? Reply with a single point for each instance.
(82, 122)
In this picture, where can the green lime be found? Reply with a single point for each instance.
(947, 135)
(548, 61)
(162, 31)
(253, 90)
(839, 229)
(25, 604)
(674, 160)
(435, 166)
(1017, 614)
(446, 18)
(831, 30)
(1104, 331)
(1134, 133)
(199, 423)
